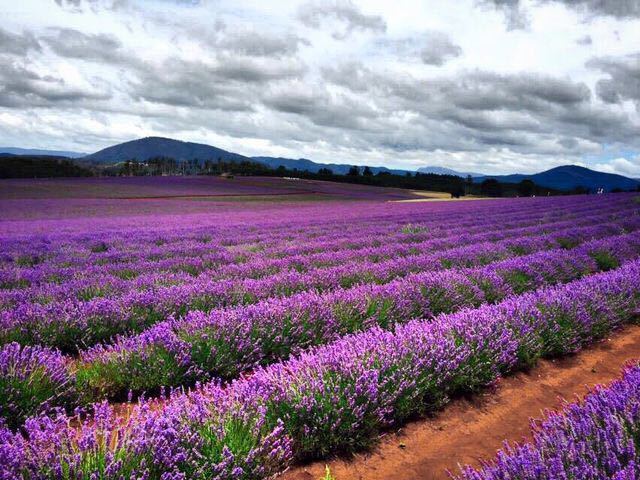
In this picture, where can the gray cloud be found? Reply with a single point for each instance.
(261, 44)
(71, 3)
(439, 49)
(240, 64)
(24, 83)
(17, 43)
(476, 90)
(71, 43)
(21, 86)
(431, 47)
(529, 113)
(586, 40)
(79, 5)
(614, 8)
(321, 107)
(490, 91)
(246, 41)
(231, 83)
(252, 70)
(624, 78)
(517, 17)
(315, 14)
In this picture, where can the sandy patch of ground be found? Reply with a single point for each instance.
(428, 196)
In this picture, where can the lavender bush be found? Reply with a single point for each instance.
(32, 380)
(591, 440)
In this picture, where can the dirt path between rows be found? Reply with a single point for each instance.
(469, 429)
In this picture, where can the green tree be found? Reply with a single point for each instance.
(491, 188)
(526, 188)
(468, 184)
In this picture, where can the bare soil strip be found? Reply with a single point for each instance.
(470, 429)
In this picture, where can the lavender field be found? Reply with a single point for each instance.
(174, 333)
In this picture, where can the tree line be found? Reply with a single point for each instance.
(22, 166)
(36, 166)
(452, 184)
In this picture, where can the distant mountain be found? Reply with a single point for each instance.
(16, 156)
(560, 178)
(304, 164)
(569, 177)
(149, 147)
(35, 151)
(447, 171)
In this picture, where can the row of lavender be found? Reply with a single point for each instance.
(196, 258)
(273, 231)
(50, 280)
(590, 440)
(225, 343)
(145, 274)
(333, 398)
(83, 248)
(68, 323)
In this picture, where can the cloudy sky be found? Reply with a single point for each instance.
(494, 86)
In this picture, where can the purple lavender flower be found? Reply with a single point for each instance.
(32, 380)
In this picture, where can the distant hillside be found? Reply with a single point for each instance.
(447, 171)
(569, 177)
(149, 147)
(35, 151)
(304, 164)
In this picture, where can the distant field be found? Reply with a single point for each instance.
(134, 200)
(190, 187)
(62, 204)
(428, 196)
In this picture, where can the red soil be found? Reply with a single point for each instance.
(470, 429)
